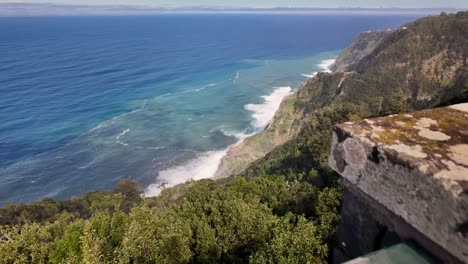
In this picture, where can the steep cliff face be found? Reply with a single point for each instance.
(424, 62)
(362, 46)
(420, 65)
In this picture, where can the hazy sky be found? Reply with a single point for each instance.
(268, 3)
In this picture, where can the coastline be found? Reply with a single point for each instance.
(208, 165)
(139, 111)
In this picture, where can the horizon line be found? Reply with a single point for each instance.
(53, 9)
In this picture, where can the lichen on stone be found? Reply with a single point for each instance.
(434, 141)
(433, 135)
(413, 151)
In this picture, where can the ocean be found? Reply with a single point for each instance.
(86, 101)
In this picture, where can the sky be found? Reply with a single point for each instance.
(265, 3)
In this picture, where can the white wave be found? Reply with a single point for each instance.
(96, 128)
(239, 135)
(117, 139)
(263, 113)
(310, 75)
(153, 148)
(203, 167)
(203, 87)
(326, 64)
(125, 114)
(218, 128)
(206, 165)
(87, 165)
(237, 76)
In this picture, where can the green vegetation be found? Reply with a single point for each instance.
(362, 46)
(284, 208)
(266, 220)
(421, 65)
(305, 158)
(423, 62)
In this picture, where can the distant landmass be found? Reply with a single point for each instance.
(47, 9)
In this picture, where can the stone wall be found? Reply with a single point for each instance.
(411, 172)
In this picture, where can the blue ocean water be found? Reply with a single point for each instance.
(85, 101)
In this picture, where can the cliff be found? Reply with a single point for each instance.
(419, 65)
(362, 46)
(281, 129)
(262, 217)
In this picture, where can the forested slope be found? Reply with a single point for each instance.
(362, 46)
(420, 65)
(285, 207)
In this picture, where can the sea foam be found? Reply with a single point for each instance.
(324, 65)
(202, 167)
(206, 165)
(117, 139)
(310, 75)
(263, 113)
(203, 87)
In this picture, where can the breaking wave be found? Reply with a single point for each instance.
(263, 113)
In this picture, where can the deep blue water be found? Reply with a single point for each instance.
(85, 101)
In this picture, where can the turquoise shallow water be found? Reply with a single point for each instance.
(88, 100)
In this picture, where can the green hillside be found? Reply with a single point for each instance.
(420, 65)
(284, 207)
(362, 46)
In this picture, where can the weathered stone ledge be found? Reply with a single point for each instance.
(415, 166)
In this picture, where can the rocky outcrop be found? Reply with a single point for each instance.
(280, 130)
(418, 66)
(362, 46)
(412, 171)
